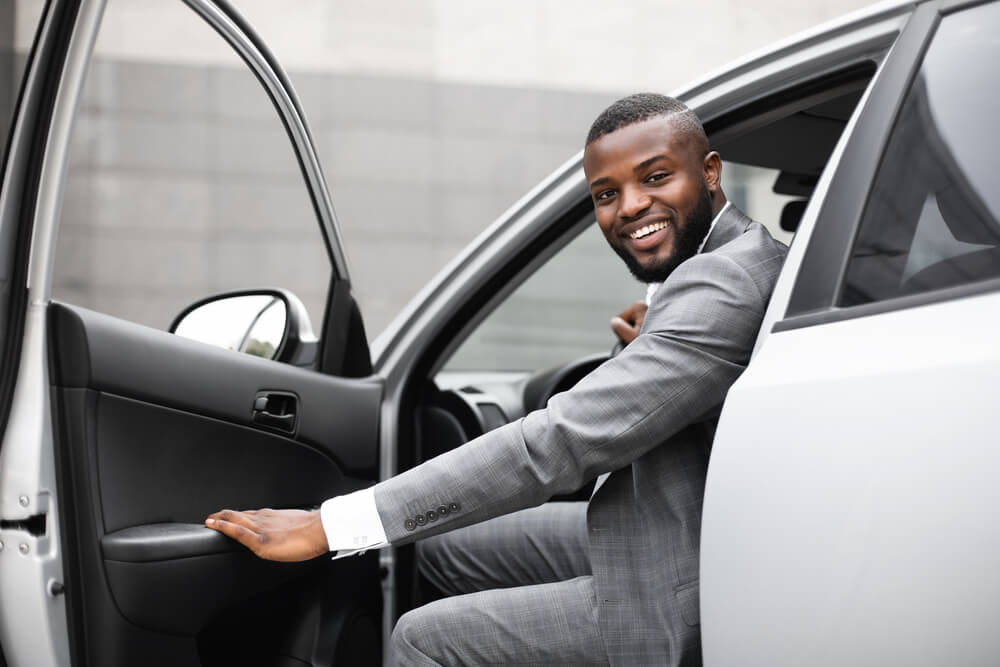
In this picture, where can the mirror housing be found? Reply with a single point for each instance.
(268, 323)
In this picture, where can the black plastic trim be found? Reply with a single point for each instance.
(837, 314)
(337, 417)
(788, 101)
(825, 260)
(952, 6)
(164, 541)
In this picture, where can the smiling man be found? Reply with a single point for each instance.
(615, 580)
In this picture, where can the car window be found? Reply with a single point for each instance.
(562, 311)
(181, 180)
(559, 313)
(931, 219)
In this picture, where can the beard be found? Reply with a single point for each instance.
(688, 237)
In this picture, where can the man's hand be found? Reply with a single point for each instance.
(626, 325)
(286, 535)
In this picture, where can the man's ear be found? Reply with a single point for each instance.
(712, 168)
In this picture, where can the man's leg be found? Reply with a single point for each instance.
(544, 624)
(541, 609)
(536, 546)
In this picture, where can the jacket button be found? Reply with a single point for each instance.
(421, 519)
(410, 524)
(454, 507)
(442, 510)
(432, 515)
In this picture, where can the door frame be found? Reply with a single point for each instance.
(33, 610)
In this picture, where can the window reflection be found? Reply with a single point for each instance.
(931, 222)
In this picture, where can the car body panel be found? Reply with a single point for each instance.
(848, 500)
(866, 540)
(33, 626)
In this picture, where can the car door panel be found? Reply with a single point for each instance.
(849, 504)
(93, 350)
(154, 433)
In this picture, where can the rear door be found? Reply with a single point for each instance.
(851, 498)
(158, 179)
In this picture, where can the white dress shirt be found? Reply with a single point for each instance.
(351, 522)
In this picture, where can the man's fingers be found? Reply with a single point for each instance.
(625, 331)
(634, 313)
(241, 534)
(246, 519)
(619, 326)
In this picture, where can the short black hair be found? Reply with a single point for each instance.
(643, 106)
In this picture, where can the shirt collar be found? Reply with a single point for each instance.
(651, 287)
(712, 225)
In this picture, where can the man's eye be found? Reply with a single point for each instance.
(604, 195)
(658, 176)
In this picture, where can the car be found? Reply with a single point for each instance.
(848, 508)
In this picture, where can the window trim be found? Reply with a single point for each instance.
(824, 264)
(840, 313)
(250, 48)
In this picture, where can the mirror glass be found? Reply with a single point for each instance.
(249, 323)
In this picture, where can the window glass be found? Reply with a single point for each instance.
(558, 314)
(562, 311)
(19, 21)
(931, 220)
(182, 182)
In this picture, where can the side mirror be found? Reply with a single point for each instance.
(269, 323)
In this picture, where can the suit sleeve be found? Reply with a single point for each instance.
(695, 341)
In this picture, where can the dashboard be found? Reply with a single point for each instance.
(466, 404)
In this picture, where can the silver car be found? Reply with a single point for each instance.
(851, 487)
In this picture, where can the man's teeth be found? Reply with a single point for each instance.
(647, 230)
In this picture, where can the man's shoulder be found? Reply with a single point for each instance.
(753, 249)
(749, 255)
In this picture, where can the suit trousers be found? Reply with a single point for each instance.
(522, 594)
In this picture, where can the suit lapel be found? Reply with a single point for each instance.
(730, 225)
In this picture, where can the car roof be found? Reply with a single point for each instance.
(798, 42)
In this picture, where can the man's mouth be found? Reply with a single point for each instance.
(647, 230)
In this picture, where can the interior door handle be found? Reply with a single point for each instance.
(276, 410)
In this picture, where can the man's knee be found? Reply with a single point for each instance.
(410, 637)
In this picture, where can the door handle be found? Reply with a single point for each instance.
(276, 410)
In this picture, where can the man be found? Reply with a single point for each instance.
(615, 580)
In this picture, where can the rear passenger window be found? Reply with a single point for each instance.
(931, 220)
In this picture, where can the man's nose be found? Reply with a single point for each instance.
(634, 202)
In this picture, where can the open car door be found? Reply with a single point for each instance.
(119, 438)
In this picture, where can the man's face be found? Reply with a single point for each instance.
(652, 190)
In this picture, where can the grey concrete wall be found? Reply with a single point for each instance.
(419, 168)
(173, 194)
(181, 183)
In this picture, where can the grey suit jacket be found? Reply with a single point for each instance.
(648, 415)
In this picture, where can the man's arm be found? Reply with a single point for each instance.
(696, 340)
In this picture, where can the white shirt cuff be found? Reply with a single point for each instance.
(352, 524)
